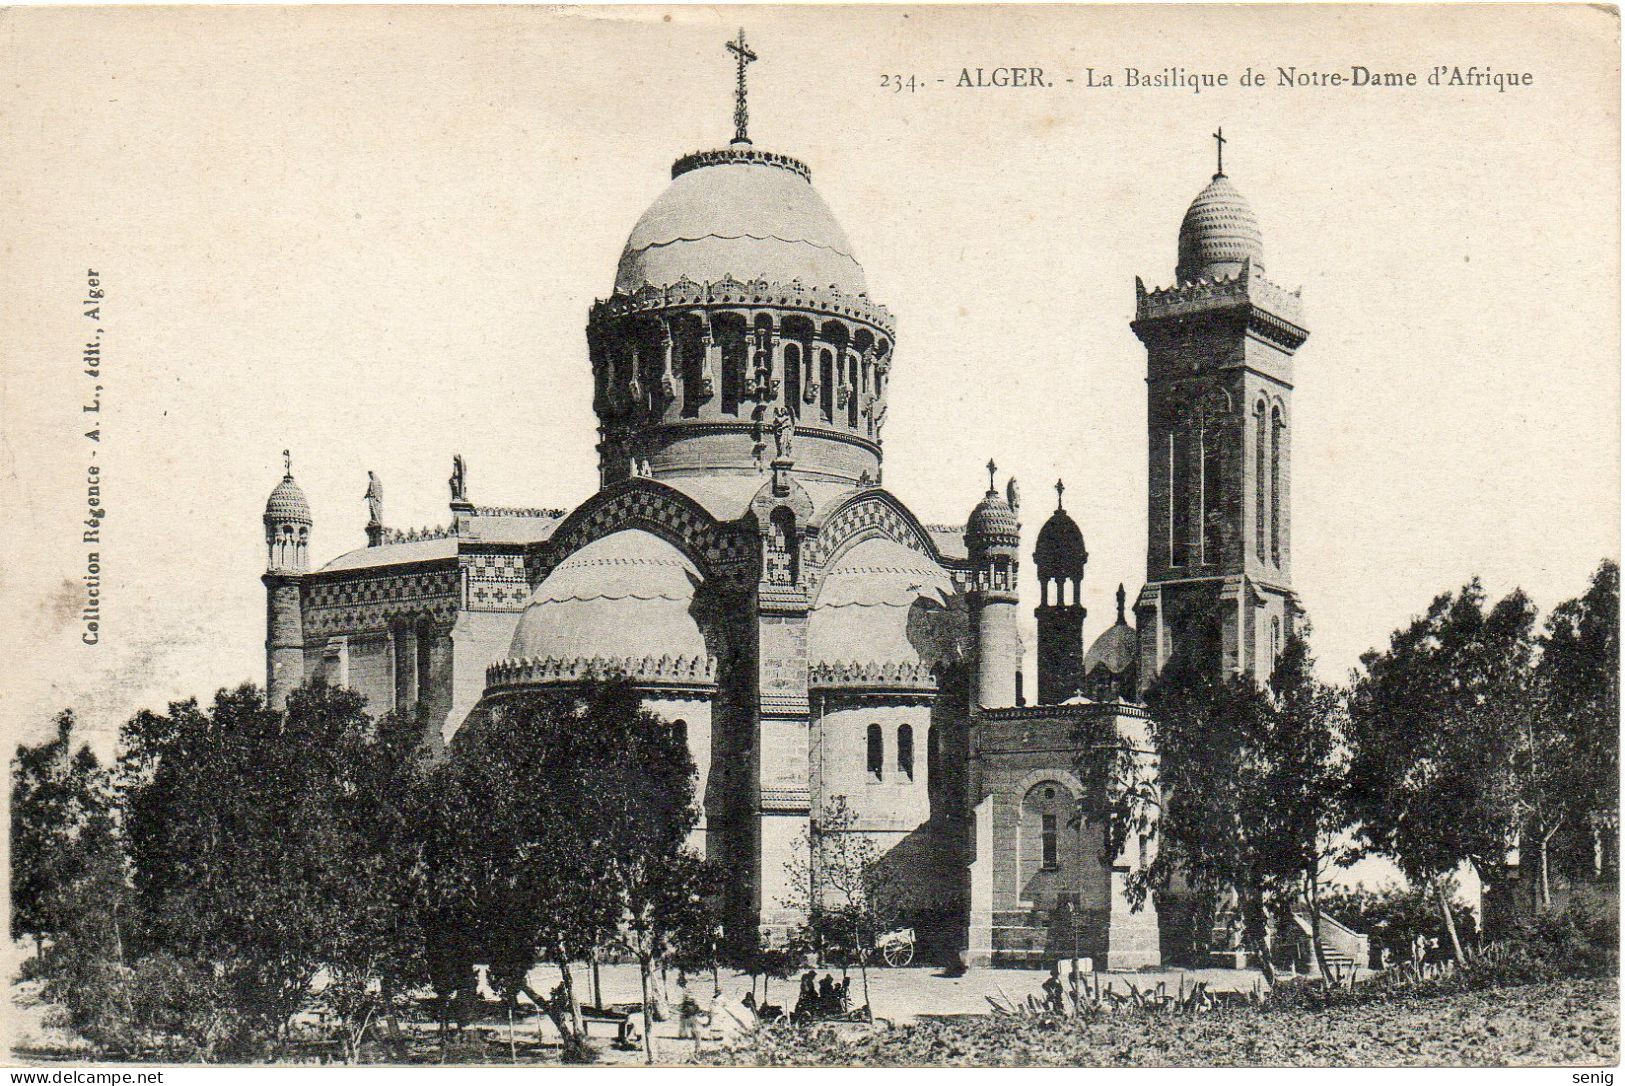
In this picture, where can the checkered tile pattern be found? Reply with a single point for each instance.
(496, 582)
(720, 551)
(371, 603)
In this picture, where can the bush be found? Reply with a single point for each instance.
(160, 1006)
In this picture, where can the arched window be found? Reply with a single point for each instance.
(1275, 643)
(1212, 496)
(1181, 475)
(1052, 844)
(905, 751)
(691, 351)
(792, 379)
(1260, 514)
(852, 393)
(734, 350)
(877, 753)
(1276, 429)
(680, 727)
(826, 391)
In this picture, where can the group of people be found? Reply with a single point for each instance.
(824, 999)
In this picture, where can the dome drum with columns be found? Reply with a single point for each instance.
(742, 566)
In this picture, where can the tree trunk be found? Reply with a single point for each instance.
(397, 1043)
(648, 1024)
(597, 986)
(547, 1008)
(1255, 933)
(1449, 920)
(863, 969)
(1545, 867)
(1311, 898)
(570, 994)
(513, 1049)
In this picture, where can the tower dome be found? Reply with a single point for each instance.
(993, 521)
(1060, 553)
(1219, 234)
(287, 504)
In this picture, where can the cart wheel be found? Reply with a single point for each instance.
(898, 954)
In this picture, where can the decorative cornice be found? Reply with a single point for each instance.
(1275, 309)
(731, 292)
(515, 511)
(686, 672)
(1062, 712)
(739, 156)
(417, 535)
(873, 675)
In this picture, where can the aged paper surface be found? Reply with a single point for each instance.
(372, 237)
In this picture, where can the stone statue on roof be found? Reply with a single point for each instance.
(375, 501)
(459, 479)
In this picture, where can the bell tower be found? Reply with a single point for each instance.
(1219, 366)
(1059, 558)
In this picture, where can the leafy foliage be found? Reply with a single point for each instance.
(1249, 780)
(67, 869)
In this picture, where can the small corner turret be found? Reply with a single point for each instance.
(993, 543)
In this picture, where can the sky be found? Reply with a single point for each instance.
(372, 236)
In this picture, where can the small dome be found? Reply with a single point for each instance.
(992, 517)
(1118, 650)
(627, 594)
(1060, 552)
(1219, 233)
(287, 504)
(741, 213)
(882, 603)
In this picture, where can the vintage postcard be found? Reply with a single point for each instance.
(795, 535)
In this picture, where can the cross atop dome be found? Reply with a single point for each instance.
(1060, 489)
(1218, 138)
(743, 56)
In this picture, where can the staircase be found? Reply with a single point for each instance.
(1345, 949)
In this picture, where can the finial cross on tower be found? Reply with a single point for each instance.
(1060, 489)
(287, 464)
(1218, 138)
(991, 469)
(743, 55)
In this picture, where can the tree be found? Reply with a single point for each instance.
(1303, 778)
(1434, 735)
(1242, 798)
(267, 845)
(839, 882)
(67, 862)
(1576, 757)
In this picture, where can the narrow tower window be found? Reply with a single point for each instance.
(1181, 496)
(877, 753)
(1260, 514)
(905, 751)
(1276, 428)
(1051, 837)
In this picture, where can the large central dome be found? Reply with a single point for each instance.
(739, 213)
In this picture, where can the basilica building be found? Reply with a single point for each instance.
(743, 563)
